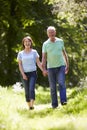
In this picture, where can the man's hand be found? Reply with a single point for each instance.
(66, 69)
(45, 73)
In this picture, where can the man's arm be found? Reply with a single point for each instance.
(44, 58)
(66, 61)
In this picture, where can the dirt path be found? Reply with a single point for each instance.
(42, 106)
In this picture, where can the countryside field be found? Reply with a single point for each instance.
(15, 115)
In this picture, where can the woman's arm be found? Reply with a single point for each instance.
(39, 63)
(21, 69)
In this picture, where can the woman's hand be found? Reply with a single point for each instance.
(25, 77)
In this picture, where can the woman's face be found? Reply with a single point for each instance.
(27, 43)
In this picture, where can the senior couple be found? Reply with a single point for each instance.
(56, 59)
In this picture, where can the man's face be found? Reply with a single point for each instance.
(51, 33)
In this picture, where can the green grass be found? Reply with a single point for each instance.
(14, 113)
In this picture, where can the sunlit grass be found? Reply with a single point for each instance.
(14, 113)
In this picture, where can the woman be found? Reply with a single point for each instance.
(27, 60)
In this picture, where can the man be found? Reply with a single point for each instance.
(54, 54)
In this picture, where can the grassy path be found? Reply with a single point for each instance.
(14, 113)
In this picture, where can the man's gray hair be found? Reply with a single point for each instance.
(51, 28)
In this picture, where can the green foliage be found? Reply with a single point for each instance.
(72, 22)
(32, 17)
(42, 95)
(17, 19)
(78, 99)
(14, 114)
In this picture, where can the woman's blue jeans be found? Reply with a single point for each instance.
(57, 75)
(30, 85)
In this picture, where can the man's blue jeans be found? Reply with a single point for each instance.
(30, 85)
(57, 75)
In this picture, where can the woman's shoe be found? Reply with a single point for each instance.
(31, 108)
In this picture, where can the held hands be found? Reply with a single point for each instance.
(45, 73)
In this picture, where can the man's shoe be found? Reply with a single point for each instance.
(63, 103)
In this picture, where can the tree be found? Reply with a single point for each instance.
(19, 18)
(72, 22)
(32, 17)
